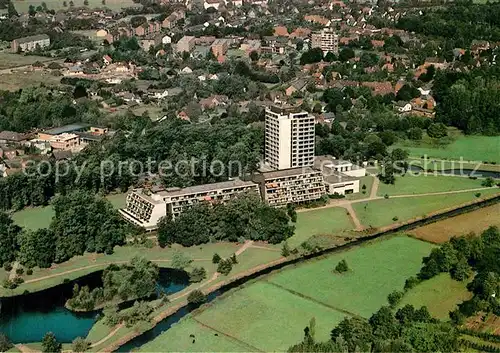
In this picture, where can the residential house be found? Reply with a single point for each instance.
(379, 88)
(296, 86)
(107, 59)
(220, 46)
(185, 44)
(30, 43)
(11, 137)
(281, 31)
(213, 102)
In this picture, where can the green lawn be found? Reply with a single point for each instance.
(426, 183)
(379, 213)
(34, 218)
(8, 59)
(440, 295)
(331, 221)
(368, 182)
(377, 269)
(471, 148)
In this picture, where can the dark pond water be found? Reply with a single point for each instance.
(28, 318)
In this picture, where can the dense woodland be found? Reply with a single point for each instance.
(244, 217)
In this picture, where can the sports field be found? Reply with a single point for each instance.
(424, 183)
(327, 221)
(471, 148)
(475, 221)
(271, 313)
(379, 213)
(440, 295)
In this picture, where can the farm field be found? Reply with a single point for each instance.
(424, 183)
(331, 221)
(471, 148)
(475, 221)
(23, 6)
(271, 313)
(379, 213)
(8, 59)
(440, 295)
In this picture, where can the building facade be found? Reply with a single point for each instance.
(186, 43)
(145, 208)
(220, 46)
(326, 39)
(296, 185)
(289, 138)
(30, 43)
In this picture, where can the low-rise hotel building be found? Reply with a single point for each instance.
(296, 185)
(146, 208)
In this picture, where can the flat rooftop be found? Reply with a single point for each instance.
(205, 188)
(66, 128)
(288, 172)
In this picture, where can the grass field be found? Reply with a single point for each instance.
(331, 221)
(475, 221)
(23, 6)
(471, 148)
(271, 313)
(381, 212)
(19, 80)
(424, 183)
(440, 295)
(8, 60)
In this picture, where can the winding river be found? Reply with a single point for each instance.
(27, 318)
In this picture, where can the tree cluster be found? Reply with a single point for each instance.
(244, 217)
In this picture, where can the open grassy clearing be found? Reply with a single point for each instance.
(377, 269)
(379, 213)
(329, 221)
(23, 6)
(471, 148)
(442, 165)
(424, 183)
(18, 80)
(40, 217)
(8, 59)
(475, 221)
(440, 295)
(203, 337)
(368, 182)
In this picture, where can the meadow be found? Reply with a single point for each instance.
(271, 313)
(381, 212)
(475, 221)
(426, 183)
(9, 60)
(440, 295)
(471, 148)
(327, 221)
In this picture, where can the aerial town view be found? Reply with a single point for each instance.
(249, 176)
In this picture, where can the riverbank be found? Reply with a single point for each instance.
(115, 343)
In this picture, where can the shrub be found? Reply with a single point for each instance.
(216, 258)
(19, 271)
(225, 266)
(7, 266)
(411, 282)
(234, 260)
(196, 297)
(395, 218)
(5, 343)
(29, 271)
(488, 182)
(80, 345)
(197, 275)
(285, 250)
(18, 280)
(477, 194)
(342, 267)
(394, 298)
(386, 196)
(8, 284)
